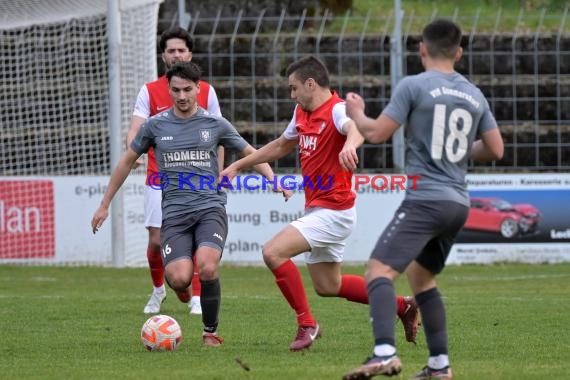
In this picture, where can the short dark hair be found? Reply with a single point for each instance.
(185, 70)
(176, 32)
(442, 38)
(310, 67)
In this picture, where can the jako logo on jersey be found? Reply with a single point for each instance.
(308, 142)
(218, 236)
(163, 138)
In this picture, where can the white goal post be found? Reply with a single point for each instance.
(56, 100)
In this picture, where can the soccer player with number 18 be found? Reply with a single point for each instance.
(448, 122)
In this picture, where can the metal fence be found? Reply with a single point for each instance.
(524, 72)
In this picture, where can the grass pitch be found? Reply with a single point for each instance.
(505, 322)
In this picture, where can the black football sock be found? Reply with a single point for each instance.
(210, 301)
(432, 311)
(382, 300)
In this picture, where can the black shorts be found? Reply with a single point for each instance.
(182, 235)
(423, 231)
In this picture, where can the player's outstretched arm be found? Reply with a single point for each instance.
(136, 123)
(258, 159)
(265, 170)
(272, 151)
(120, 173)
(375, 131)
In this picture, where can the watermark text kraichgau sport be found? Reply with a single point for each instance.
(254, 182)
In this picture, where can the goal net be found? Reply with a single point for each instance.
(54, 122)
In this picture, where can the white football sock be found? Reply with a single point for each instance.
(159, 289)
(384, 350)
(438, 362)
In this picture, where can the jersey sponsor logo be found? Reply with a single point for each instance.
(161, 108)
(205, 135)
(166, 138)
(197, 158)
(322, 127)
(218, 236)
(186, 155)
(308, 142)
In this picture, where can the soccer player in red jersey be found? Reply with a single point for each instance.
(176, 45)
(327, 139)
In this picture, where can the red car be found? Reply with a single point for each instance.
(498, 215)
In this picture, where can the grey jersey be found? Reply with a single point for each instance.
(186, 155)
(443, 114)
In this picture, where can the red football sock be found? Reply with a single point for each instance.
(183, 296)
(400, 305)
(154, 258)
(196, 284)
(353, 288)
(289, 280)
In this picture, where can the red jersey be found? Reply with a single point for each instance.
(160, 101)
(320, 142)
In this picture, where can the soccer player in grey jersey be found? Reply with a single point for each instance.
(185, 139)
(448, 122)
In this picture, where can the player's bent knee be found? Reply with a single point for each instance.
(327, 290)
(323, 292)
(208, 272)
(375, 269)
(177, 281)
(270, 255)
